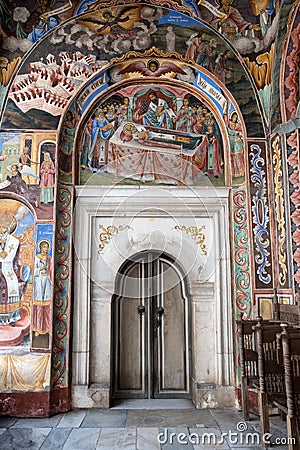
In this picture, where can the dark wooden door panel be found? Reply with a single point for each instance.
(150, 331)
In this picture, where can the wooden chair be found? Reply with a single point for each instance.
(291, 361)
(248, 353)
(289, 314)
(248, 359)
(270, 370)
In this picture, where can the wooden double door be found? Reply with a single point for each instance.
(151, 330)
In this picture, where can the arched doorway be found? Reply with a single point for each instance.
(151, 340)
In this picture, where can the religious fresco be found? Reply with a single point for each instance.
(249, 25)
(137, 93)
(21, 26)
(159, 133)
(42, 287)
(26, 281)
(17, 240)
(291, 86)
(284, 45)
(28, 169)
(55, 69)
(155, 136)
(292, 142)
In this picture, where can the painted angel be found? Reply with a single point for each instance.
(153, 68)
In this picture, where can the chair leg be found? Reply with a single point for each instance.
(264, 413)
(244, 394)
(292, 433)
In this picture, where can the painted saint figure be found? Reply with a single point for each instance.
(232, 25)
(25, 163)
(123, 113)
(158, 114)
(47, 179)
(17, 184)
(170, 39)
(102, 130)
(37, 25)
(210, 160)
(69, 127)
(221, 70)
(10, 294)
(184, 119)
(41, 314)
(68, 132)
(87, 140)
(206, 53)
(193, 44)
(236, 144)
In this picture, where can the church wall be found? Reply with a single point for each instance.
(53, 84)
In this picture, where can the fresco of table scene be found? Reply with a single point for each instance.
(25, 278)
(156, 134)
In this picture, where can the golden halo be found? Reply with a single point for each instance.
(153, 61)
(8, 220)
(233, 112)
(129, 127)
(42, 241)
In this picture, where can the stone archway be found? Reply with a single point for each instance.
(132, 224)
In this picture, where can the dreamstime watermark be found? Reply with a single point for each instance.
(241, 436)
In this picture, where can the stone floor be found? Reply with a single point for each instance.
(165, 425)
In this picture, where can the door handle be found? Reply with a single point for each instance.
(160, 311)
(141, 310)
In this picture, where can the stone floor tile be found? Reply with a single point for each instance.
(82, 439)
(117, 439)
(6, 421)
(56, 439)
(146, 439)
(168, 418)
(99, 418)
(47, 422)
(227, 417)
(72, 419)
(21, 439)
(203, 438)
(153, 404)
(211, 447)
(175, 439)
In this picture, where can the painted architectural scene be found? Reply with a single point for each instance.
(149, 196)
(28, 169)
